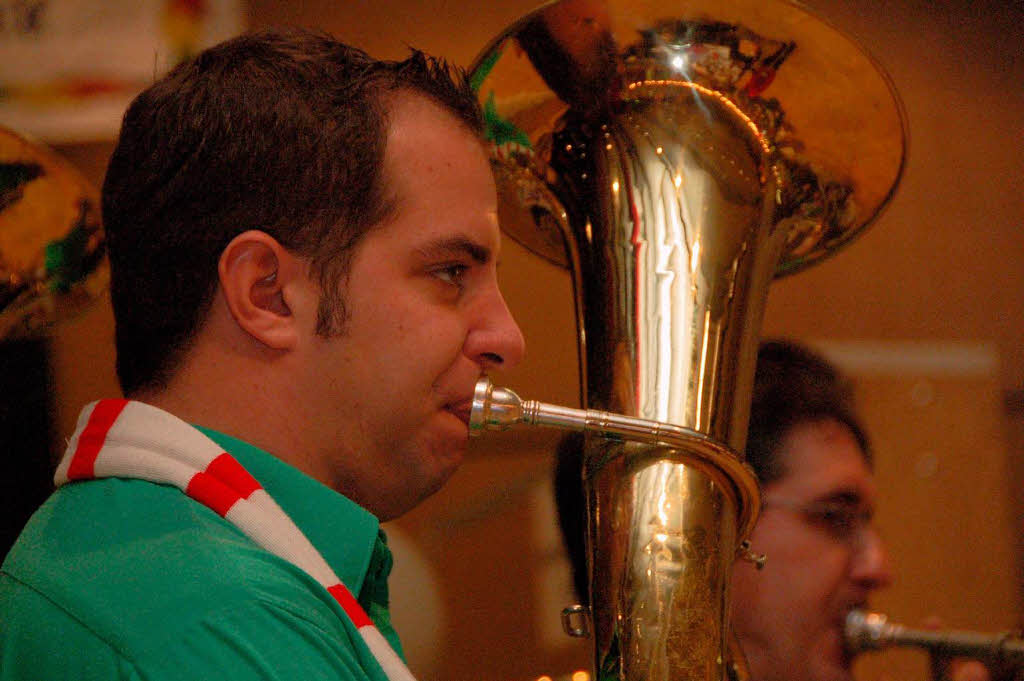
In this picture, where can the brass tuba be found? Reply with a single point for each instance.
(675, 157)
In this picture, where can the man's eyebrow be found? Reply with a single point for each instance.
(456, 245)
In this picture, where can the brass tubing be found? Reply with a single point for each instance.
(498, 408)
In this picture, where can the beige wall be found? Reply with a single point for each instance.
(944, 264)
(946, 259)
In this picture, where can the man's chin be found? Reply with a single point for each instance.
(832, 662)
(446, 457)
(423, 485)
(834, 668)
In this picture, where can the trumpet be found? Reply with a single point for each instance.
(1003, 652)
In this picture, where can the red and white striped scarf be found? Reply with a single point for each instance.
(128, 439)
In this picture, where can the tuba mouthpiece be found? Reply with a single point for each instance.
(494, 408)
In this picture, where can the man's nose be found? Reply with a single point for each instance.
(872, 565)
(496, 342)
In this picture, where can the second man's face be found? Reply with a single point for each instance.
(824, 558)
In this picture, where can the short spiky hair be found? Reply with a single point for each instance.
(794, 385)
(281, 131)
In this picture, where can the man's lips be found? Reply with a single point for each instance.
(461, 409)
(840, 626)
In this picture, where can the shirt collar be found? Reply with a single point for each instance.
(343, 532)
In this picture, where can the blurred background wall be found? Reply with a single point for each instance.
(925, 310)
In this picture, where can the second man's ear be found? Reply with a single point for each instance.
(260, 281)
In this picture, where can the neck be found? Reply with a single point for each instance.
(246, 394)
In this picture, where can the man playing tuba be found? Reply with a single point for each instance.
(303, 243)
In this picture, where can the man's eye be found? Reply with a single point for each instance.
(452, 274)
(839, 519)
(842, 520)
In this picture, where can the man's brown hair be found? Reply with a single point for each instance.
(279, 131)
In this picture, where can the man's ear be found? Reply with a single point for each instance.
(260, 280)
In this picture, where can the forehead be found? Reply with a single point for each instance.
(822, 459)
(436, 170)
(425, 140)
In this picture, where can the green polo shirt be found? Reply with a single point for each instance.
(126, 579)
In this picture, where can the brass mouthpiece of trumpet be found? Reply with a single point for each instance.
(873, 631)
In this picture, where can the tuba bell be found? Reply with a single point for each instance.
(675, 158)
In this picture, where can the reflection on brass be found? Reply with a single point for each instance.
(685, 493)
(51, 241)
(676, 158)
(497, 408)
